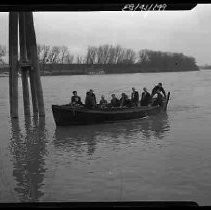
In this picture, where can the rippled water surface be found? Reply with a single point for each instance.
(164, 157)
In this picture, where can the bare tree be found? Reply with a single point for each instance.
(46, 52)
(69, 58)
(143, 56)
(111, 54)
(80, 59)
(103, 54)
(91, 55)
(64, 54)
(111, 58)
(108, 54)
(119, 54)
(54, 55)
(2, 54)
(129, 56)
(43, 53)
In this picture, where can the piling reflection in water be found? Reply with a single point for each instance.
(123, 132)
(28, 145)
(28, 151)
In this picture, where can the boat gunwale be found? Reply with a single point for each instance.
(101, 111)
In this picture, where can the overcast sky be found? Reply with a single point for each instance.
(188, 32)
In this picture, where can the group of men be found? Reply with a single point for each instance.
(146, 99)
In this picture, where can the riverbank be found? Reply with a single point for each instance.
(86, 69)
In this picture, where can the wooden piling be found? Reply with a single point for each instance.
(31, 72)
(23, 60)
(33, 91)
(10, 61)
(13, 63)
(34, 60)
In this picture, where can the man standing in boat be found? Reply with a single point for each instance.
(158, 87)
(159, 99)
(134, 97)
(145, 97)
(90, 101)
(93, 97)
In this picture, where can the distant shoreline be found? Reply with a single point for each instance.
(65, 73)
(205, 67)
(70, 73)
(97, 69)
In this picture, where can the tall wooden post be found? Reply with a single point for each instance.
(32, 47)
(10, 61)
(31, 72)
(13, 63)
(32, 83)
(23, 60)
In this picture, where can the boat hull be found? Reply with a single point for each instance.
(67, 115)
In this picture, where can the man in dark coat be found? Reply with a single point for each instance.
(159, 99)
(93, 97)
(160, 88)
(125, 101)
(90, 100)
(75, 99)
(134, 97)
(145, 97)
(114, 101)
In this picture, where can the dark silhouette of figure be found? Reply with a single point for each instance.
(125, 101)
(158, 100)
(160, 88)
(103, 102)
(75, 99)
(145, 97)
(114, 101)
(134, 97)
(90, 101)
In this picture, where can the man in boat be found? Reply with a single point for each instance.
(90, 100)
(159, 99)
(75, 99)
(159, 87)
(114, 101)
(134, 97)
(103, 102)
(125, 101)
(93, 97)
(145, 97)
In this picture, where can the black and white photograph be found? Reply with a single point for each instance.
(106, 106)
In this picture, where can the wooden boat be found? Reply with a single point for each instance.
(69, 115)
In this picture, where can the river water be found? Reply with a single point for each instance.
(164, 157)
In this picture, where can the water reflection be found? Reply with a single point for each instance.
(28, 150)
(76, 138)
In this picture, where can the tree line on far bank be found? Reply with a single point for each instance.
(112, 54)
(207, 67)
